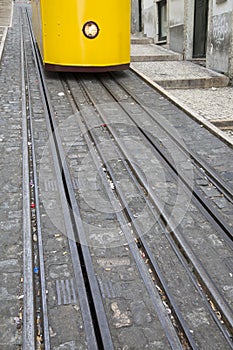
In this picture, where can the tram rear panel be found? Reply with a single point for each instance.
(82, 35)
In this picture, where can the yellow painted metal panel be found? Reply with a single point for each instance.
(37, 23)
(64, 42)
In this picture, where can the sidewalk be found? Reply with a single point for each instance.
(6, 11)
(204, 93)
(168, 69)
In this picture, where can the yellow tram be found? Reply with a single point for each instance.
(82, 35)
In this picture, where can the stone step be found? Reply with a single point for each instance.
(181, 75)
(5, 13)
(141, 40)
(151, 52)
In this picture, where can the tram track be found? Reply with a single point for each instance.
(174, 341)
(104, 341)
(134, 237)
(189, 183)
(92, 308)
(28, 313)
(202, 169)
(139, 237)
(203, 281)
(158, 118)
(104, 317)
(204, 173)
(83, 246)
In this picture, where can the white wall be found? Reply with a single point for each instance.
(134, 16)
(176, 25)
(149, 18)
(176, 12)
(220, 8)
(219, 53)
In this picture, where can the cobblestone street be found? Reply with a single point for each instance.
(116, 201)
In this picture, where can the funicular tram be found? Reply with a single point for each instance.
(82, 35)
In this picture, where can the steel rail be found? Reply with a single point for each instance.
(205, 205)
(29, 340)
(154, 265)
(205, 279)
(98, 336)
(199, 200)
(177, 251)
(209, 172)
(154, 295)
(46, 336)
(86, 314)
(171, 227)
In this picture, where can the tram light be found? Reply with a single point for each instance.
(90, 30)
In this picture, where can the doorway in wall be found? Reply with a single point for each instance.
(162, 20)
(200, 28)
(140, 14)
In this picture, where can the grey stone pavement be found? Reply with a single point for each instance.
(11, 228)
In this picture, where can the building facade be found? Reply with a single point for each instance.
(199, 29)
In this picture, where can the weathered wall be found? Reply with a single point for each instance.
(134, 16)
(176, 12)
(219, 51)
(176, 35)
(220, 40)
(149, 18)
(188, 28)
(176, 25)
(231, 53)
